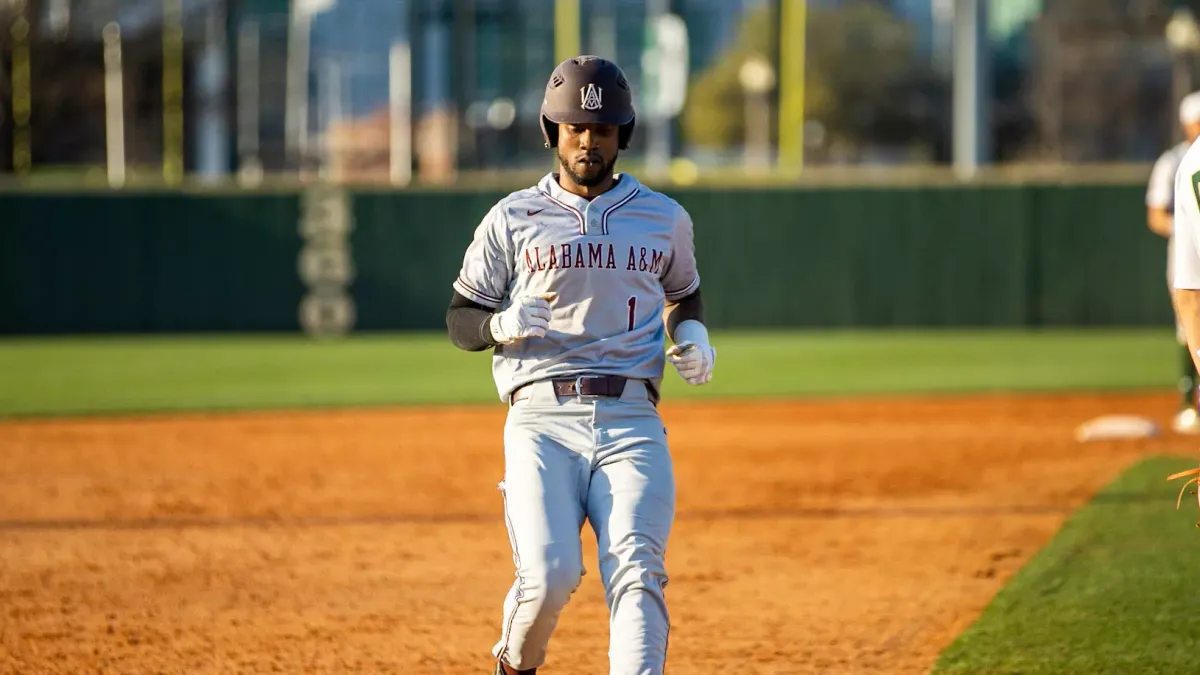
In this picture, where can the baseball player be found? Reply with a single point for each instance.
(574, 283)
(1160, 210)
(1185, 259)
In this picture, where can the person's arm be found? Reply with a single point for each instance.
(1160, 195)
(1160, 221)
(473, 327)
(692, 354)
(688, 308)
(473, 319)
(467, 322)
(684, 321)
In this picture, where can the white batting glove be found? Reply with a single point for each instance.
(694, 361)
(691, 355)
(528, 316)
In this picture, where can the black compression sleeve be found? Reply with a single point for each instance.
(467, 324)
(690, 307)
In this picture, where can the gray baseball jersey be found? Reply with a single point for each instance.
(614, 260)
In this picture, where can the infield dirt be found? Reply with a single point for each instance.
(846, 536)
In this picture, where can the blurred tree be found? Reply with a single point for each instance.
(713, 117)
(866, 83)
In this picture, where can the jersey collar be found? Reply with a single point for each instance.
(626, 185)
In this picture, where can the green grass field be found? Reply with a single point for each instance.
(55, 376)
(1112, 593)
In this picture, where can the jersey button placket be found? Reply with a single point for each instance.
(589, 228)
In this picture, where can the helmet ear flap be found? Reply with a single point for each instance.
(624, 134)
(549, 132)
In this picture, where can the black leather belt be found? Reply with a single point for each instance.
(609, 386)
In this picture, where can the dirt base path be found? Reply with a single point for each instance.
(854, 536)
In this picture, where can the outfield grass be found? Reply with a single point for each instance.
(137, 374)
(1114, 592)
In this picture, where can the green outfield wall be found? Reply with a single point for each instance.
(993, 255)
(143, 263)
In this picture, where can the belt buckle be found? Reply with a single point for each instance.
(579, 385)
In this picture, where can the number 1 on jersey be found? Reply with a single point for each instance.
(632, 310)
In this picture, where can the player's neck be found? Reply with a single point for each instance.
(586, 191)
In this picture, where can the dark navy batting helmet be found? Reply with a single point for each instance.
(587, 90)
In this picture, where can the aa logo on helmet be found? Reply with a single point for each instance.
(591, 96)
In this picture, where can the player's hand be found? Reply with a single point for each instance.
(693, 360)
(528, 316)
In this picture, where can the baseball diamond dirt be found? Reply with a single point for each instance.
(848, 536)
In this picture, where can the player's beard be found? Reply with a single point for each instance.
(593, 177)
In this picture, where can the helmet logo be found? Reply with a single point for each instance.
(590, 96)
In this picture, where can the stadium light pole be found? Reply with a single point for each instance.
(972, 88)
(299, 63)
(331, 90)
(250, 168)
(210, 72)
(566, 29)
(295, 110)
(400, 117)
(172, 91)
(114, 105)
(793, 33)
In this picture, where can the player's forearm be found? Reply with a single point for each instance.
(468, 328)
(468, 325)
(1160, 221)
(689, 308)
(1187, 302)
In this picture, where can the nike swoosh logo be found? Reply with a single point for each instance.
(533, 212)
